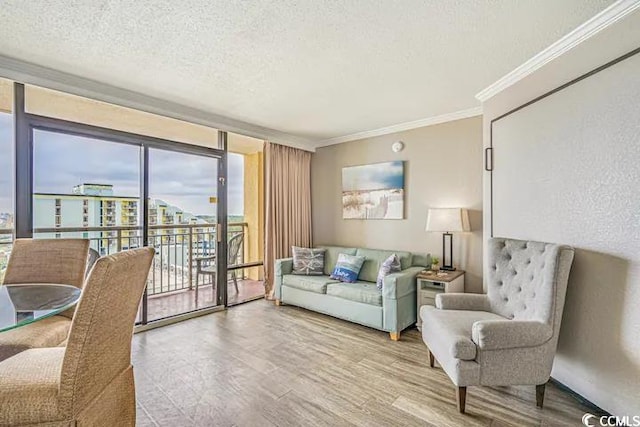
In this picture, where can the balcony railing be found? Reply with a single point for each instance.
(177, 247)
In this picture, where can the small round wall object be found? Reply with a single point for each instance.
(397, 146)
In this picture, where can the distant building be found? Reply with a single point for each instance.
(90, 208)
(6, 220)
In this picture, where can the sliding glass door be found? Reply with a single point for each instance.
(123, 191)
(182, 218)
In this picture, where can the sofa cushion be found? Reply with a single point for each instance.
(374, 259)
(317, 284)
(307, 261)
(365, 292)
(331, 256)
(450, 330)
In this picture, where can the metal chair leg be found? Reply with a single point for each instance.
(235, 281)
(197, 286)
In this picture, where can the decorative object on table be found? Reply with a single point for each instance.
(307, 261)
(435, 263)
(390, 265)
(373, 191)
(347, 268)
(447, 221)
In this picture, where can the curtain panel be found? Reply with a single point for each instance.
(287, 205)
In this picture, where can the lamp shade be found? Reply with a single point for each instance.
(449, 219)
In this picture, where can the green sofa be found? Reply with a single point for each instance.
(392, 310)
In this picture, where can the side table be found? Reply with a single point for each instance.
(430, 284)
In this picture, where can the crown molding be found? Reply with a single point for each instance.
(429, 121)
(29, 73)
(590, 28)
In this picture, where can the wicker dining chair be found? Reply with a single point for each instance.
(43, 261)
(207, 265)
(90, 381)
(91, 260)
(47, 261)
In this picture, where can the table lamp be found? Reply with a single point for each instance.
(446, 221)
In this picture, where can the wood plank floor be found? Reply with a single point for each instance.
(261, 365)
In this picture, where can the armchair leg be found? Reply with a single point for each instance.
(540, 395)
(461, 398)
(395, 336)
(431, 359)
(278, 302)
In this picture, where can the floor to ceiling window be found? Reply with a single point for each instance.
(6, 173)
(97, 168)
(110, 174)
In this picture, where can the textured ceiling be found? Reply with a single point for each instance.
(312, 68)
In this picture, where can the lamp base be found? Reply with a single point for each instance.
(447, 268)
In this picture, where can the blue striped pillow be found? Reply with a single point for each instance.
(347, 268)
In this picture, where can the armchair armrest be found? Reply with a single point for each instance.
(397, 285)
(460, 301)
(504, 334)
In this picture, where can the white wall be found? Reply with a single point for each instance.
(567, 170)
(443, 168)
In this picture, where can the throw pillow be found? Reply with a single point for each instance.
(347, 268)
(307, 261)
(390, 265)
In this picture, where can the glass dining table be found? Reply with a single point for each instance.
(27, 303)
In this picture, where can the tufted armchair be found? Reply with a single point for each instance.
(508, 336)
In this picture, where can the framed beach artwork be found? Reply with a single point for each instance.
(373, 191)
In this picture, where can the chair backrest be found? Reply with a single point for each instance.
(99, 344)
(91, 260)
(235, 243)
(47, 261)
(528, 280)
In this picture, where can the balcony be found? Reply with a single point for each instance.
(171, 282)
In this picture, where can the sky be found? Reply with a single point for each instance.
(378, 176)
(63, 161)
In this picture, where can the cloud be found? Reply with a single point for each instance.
(376, 176)
(63, 161)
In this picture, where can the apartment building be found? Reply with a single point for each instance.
(95, 211)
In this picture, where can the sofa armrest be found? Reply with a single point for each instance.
(282, 267)
(397, 285)
(505, 334)
(460, 301)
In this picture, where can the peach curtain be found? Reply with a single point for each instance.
(288, 205)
